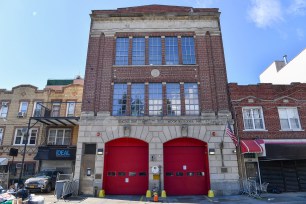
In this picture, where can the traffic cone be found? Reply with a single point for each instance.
(148, 194)
(155, 197)
(101, 193)
(211, 194)
(163, 194)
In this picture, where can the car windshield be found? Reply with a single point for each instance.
(44, 174)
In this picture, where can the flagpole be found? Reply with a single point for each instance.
(222, 144)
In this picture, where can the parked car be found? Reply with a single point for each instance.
(44, 181)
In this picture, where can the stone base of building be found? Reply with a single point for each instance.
(221, 188)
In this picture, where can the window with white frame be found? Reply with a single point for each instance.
(289, 118)
(37, 110)
(23, 108)
(21, 138)
(59, 136)
(4, 109)
(70, 108)
(1, 135)
(56, 107)
(253, 118)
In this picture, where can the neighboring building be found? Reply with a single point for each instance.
(270, 124)
(156, 104)
(283, 72)
(51, 116)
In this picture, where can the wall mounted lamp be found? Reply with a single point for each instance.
(100, 151)
(211, 151)
(234, 151)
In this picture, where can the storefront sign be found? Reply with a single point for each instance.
(53, 153)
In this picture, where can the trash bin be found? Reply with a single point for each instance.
(59, 188)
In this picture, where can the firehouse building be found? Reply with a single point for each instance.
(155, 104)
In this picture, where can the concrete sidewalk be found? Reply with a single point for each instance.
(299, 197)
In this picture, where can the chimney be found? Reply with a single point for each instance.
(285, 59)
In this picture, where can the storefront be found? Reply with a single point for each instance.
(57, 158)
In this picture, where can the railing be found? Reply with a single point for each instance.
(29, 150)
(58, 109)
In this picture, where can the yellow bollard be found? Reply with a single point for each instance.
(101, 193)
(211, 194)
(163, 194)
(148, 194)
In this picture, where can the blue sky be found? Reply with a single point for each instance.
(42, 40)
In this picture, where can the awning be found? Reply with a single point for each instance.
(3, 161)
(250, 146)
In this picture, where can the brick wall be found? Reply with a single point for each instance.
(269, 97)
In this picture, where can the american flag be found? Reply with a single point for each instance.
(230, 133)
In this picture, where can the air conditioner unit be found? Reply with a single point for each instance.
(21, 114)
(4, 104)
(18, 165)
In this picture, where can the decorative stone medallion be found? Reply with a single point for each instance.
(155, 73)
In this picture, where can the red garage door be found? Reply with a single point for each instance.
(126, 167)
(186, 167)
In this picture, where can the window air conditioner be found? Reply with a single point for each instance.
(18, 165)
(21, 114)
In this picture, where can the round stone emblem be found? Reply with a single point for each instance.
(155, 73)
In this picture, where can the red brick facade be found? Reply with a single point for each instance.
(269, 97)
(209, 71)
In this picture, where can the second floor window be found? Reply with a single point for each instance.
(59, 136)
(253, 118)
(137, 99)
(56, 107)
(191, 99)
(119, 99)
(138, 52)
(21, 138)
(289, 118)
(4, 109)
(171, 47)
(173, 99)
(155, 99)
(70, 109)
(122, 51)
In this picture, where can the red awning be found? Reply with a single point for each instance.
(250, 146)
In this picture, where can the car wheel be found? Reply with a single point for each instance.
(48, 188)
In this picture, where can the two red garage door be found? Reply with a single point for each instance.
(185, 167)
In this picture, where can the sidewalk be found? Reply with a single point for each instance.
(296, 198)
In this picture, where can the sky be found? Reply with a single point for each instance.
(48, 39)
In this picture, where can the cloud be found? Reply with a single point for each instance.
(298, 7)
(300, 33)
(34, 13)
(265, 13)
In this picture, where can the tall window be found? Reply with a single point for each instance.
(4, 109)
(137, 99)
(188, 53)
(173, 99)
(119, 99)
(56, 107)
(70, 109)
(171, 46)
(1, 135)
(122, 51)
(23, 107)
(20, 136)
(138, 51)
(289, 118)
(155, 51)
(191, 98)
(37, 110)
(253, 118)
(155, 99)
(59, 136)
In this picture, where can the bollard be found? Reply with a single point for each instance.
(148, 194)
(211, 194)
(101, 193)
(163, 194)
